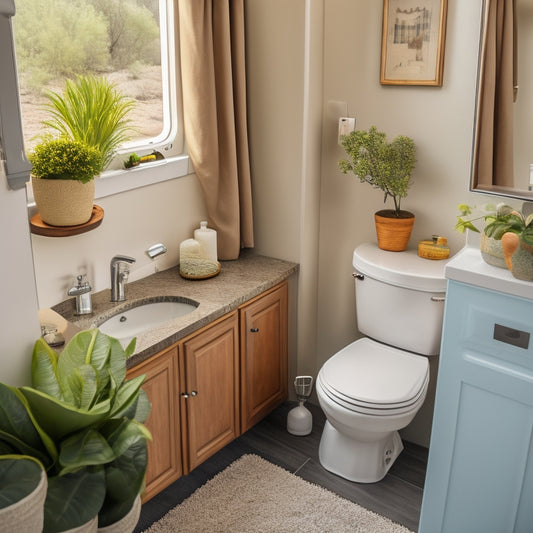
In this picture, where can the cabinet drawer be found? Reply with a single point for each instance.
(494, 327)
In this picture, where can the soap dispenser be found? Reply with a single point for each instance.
(207, 238)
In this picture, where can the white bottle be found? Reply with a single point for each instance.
(208, 241)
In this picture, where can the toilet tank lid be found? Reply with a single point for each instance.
(403, 269)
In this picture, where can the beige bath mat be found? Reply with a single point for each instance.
(255, 496)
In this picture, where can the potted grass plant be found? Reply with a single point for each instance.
(83, 421)
(93, 111)
(386, 166)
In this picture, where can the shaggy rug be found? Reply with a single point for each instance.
(254, 496)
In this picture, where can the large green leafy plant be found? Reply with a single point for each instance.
(386, 166)
(83, 421)
(93, 111)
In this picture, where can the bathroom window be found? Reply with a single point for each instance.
(130, 42)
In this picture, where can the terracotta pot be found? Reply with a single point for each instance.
(63, 202)
(393, 232)
(492, 251)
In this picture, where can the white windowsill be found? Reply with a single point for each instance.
(117, 181)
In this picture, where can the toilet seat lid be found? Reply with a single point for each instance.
(372, 373)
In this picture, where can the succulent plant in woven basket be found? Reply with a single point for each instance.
(63, 180)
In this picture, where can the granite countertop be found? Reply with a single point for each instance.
(238, 282)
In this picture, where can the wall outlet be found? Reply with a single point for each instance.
(346, 126)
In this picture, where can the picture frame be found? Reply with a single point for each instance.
(413, 40)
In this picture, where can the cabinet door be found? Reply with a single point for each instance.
(164, 451)
(264, 355)
(210, 388)
(480, 471)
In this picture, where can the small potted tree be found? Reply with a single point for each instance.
(386, 166)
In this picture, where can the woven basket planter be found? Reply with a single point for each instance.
(63, 202)
(88, 527)
(126, 524)
(492, 251)
(393, 232)
(27, 514)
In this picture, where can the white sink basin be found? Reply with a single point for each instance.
(128, 324)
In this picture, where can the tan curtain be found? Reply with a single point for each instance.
(214, 100)
(494, 136)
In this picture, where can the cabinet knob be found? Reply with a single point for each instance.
(187, 394)
(254, 330)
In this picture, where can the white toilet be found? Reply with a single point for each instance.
(374, 386)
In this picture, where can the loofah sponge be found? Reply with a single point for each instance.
(196, 268)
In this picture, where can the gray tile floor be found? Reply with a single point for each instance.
(398, 496)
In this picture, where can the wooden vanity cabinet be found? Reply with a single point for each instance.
(164, 422)
(264, 359)
(210, 390)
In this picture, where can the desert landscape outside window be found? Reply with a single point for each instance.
(124, 41)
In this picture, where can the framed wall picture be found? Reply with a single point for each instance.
(412, 47)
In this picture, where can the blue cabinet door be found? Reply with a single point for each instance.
(480, 470)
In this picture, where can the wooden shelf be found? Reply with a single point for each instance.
(38, 227)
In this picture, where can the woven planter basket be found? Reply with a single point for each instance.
(126, 524)
(393, 233)
(63, 202)
(492, 251)
(27, 514)
(88, 527)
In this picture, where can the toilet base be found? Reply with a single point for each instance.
(363, 462)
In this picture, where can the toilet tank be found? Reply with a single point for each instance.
(399, 298)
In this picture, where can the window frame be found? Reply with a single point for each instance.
(176, 164)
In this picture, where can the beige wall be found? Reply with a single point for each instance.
(166, 212)
(439, 119)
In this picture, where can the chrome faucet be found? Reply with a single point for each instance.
(119, 275)
(82, 292)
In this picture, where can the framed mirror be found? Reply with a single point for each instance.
(502, 159)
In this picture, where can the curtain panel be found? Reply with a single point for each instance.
(494, 136)
(212, 54)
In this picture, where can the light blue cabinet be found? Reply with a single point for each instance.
(480, 470)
